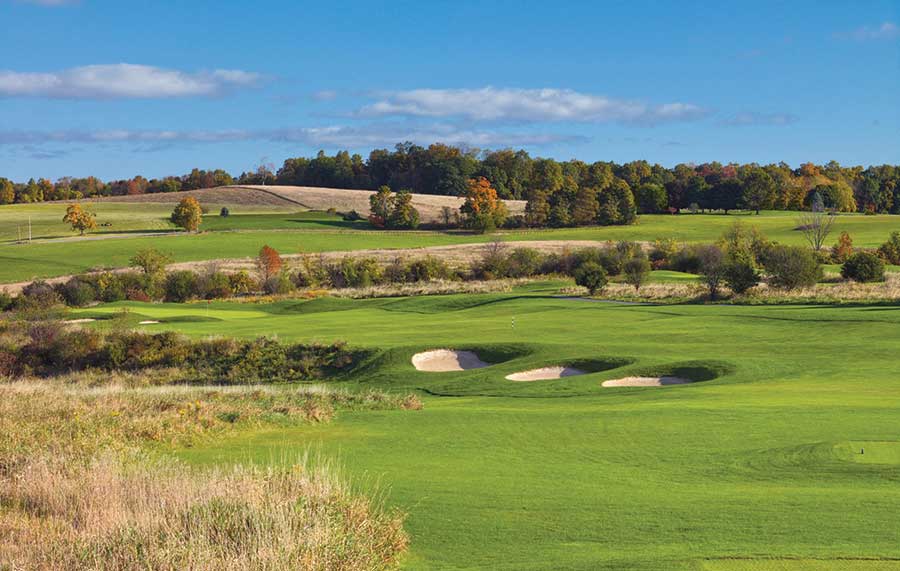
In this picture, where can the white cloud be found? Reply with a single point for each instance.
(331, 136)
(505, 104)
(884, 31)
(753, 118)
(122, 81)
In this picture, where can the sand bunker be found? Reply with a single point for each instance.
(545, 373)
(148, 322)
(82, 320)
(645, 382)
(442, 360)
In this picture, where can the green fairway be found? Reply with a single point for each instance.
(756, 467)
(244, 232)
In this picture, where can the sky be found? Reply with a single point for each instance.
(114, 89)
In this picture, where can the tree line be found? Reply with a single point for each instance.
(563, 191)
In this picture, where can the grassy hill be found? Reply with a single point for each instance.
(127, 224)
(757, 468)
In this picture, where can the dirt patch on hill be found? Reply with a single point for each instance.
(313, 198)
(443, 360)
(237, 195)
(645, 382)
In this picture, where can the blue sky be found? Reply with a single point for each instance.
(116, 88)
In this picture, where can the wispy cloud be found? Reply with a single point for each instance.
(330, 136)
(324, 95)
(885, 31)
(753, 118)
(527, 105)
(123, 80)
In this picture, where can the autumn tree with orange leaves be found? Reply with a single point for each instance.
(81, 219)
(268, 263)
(483, 210)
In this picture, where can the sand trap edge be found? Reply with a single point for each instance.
(446, 360)
(544, 374)
(646, 382)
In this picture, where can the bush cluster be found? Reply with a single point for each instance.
(49, 348)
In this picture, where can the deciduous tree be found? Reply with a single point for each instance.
(268, 263)
(483, 210)
(81, 219)
(188, 214)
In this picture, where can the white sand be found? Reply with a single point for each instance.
(545, 374)
(82, 320)
(441, 360)
(148, 322)
(645, 382)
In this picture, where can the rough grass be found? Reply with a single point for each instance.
(79, 491)
(142, 515)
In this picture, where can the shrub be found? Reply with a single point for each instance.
(279, 284)
(135, 294)
(150, 261)
(241, 283)
(181, 286)
(636, 270)
(841, 251)
(890, 250)
(790, 267)
(110, 287)
(523, 262)
(352, 216)
(216, 285)
(352, 272)
(662, 252)
(592, 276)
(76, 292)
(39, 295)
(740, 275)
(427, 269)
(711, 267)
(687, 259)
(494, 262)
(863, 267)
(6, 300)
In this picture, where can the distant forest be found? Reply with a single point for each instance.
(555, 188)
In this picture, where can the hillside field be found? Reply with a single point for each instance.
(756, 467)
(56, 251)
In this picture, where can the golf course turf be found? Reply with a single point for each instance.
(755, 464)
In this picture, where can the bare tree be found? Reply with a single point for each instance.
(265, 170)
(816, 224)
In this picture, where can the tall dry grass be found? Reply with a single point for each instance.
(81, 489)
(143, 515)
